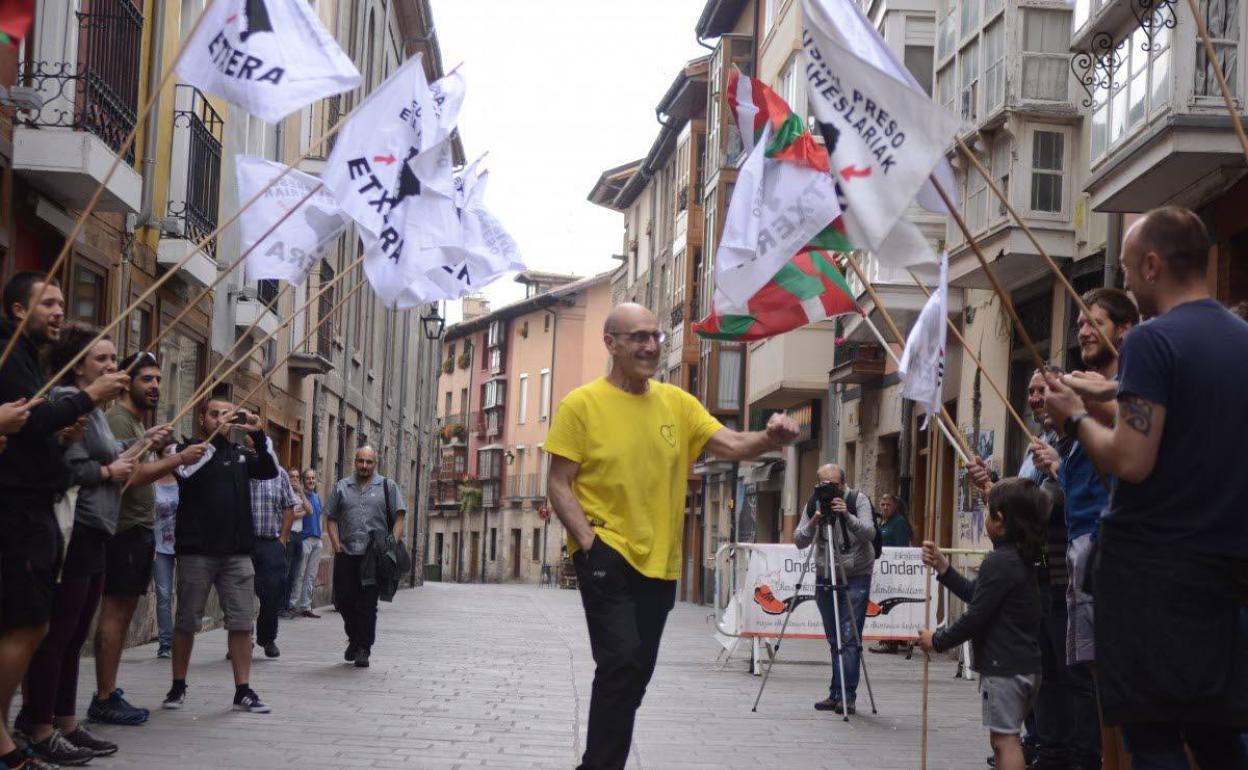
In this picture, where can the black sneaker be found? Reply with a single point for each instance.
(361, 659)
(271, 651)
(249, 701)
(31, 761)
(351, 653)
(115, 710)
(56, 749)
(85, 740)
(175, 698)
(164, 651)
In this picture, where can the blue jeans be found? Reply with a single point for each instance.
(858, 591)
(164, 597)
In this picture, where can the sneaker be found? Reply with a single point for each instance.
(361, 659)
(56, 749)
(271, 651)
(85, 740)
(287, 614)
(31, 761)
(115, 710)
(164, 651)
(249, 701)
(828, 704)
(309, 614)
(352, 651)
(175, 698)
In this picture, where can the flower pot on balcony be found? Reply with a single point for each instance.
(448, 366)
(465, 360)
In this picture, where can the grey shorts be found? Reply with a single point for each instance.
(1007, 699)
(234, 579)
(1080, 635)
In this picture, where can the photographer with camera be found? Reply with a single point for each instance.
(853, 539)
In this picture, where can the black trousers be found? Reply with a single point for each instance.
(625, 612)
(357, 604)
(269, 559)
(294, 552)
(1067, 722)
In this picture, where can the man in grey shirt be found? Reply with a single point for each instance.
(853, 536)
(359, 506)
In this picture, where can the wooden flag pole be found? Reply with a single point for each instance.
(83, 215)
(151, 346)
(1211, 60)
(992, 274)
(358, 285)
(173, 269)
(928, 534)
(1031, 236)
(951, 428)
(954, 328)
(206, 389)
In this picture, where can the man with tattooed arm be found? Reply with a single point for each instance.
(1169, 581)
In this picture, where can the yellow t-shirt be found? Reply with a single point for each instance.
(634, 452)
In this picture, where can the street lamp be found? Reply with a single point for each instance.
(432, 324)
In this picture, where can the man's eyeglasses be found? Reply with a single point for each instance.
(641, 338)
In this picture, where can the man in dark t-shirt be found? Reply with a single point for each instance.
(1170, 655)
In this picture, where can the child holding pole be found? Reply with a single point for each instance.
(1002, 618)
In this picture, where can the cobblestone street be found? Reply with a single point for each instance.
(467, 676)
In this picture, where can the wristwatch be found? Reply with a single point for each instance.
(1071, 426)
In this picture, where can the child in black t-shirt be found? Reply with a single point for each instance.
(1002, 617)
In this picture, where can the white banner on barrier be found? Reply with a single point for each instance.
(894, 611)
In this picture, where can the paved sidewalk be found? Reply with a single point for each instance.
(495, 676)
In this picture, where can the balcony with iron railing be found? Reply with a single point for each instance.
(194, 188)
(524, 486)
(858, 363)
(490, 497)
(88, 95)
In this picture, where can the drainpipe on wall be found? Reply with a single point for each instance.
(1113, 247)
(554, 337)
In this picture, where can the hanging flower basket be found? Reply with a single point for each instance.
(465, 360)
(448, 365)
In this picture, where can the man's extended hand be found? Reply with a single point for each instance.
(1060, 402)
(925, 640)
(1045, 457)
(14, 414)
(781, 429)
(1091, 386)
(981, 477)
(934, 558)
(839, 506)
(192, 454)
(157, 437)
(107, 387)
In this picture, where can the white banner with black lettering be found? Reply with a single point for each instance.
(294, 246)
(270, 57)
(894, 609)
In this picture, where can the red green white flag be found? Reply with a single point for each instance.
(769, 280)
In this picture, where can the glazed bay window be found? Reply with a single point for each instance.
(1222, 21)
(1000, 174)
(970, 18)
(946, 86)
(1046, 54)
(1048, 151)
(968, 66)
(1141, 89)
(994, 66)
(976, 201)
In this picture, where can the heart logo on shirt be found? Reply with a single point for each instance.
(668, 432)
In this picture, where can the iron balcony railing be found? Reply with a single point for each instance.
(99, 92)
(198, 132)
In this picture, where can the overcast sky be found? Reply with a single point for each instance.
(558, 92)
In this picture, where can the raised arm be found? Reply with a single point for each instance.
(728, 444)
(1129, 449)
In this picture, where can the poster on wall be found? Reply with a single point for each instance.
(970, 503)
(894, 609)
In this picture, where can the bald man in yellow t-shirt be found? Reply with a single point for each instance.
(620, 451)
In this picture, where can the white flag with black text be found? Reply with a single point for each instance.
(270, 57)
(293, 247)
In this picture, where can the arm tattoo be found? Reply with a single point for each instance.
(1137, 413)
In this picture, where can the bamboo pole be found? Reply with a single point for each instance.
(358, 285)
(928, 534)
(207, 388)
(83, 215)
(992, 274)
(151, 346)
(954, 328)
(1211, 58)
(952, 432)
(1057, 271)
(173, 269)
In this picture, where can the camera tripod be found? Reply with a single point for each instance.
(840, 585)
